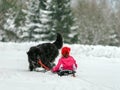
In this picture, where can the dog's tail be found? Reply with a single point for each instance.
(59, 41)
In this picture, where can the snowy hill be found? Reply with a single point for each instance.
(98, 69)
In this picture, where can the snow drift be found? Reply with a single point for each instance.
(98, 69)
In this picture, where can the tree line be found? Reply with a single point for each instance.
(98, 21)
(93, 22)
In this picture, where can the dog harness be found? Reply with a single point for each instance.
(43, 65)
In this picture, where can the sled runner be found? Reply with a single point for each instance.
(66, 73)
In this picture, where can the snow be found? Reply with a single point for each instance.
(98, 69)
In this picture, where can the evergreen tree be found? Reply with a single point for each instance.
(31, 21)
(47, 33)
(62, 20)
(9, 26)
(9, 12)
(36, 23)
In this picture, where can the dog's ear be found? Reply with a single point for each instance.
(27, 53)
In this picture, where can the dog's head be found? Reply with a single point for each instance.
(33, 53)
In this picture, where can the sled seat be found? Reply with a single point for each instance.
(66, 72)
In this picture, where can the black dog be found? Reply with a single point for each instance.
(46, 53)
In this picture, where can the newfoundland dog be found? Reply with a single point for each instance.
(43, 55)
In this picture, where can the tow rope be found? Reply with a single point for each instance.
(43, 65)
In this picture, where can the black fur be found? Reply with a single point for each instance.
(46, 52)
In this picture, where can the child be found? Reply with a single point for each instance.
(66, 62)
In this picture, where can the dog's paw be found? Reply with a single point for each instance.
(40, 70)
(52, 65)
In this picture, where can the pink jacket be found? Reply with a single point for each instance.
(68, 63)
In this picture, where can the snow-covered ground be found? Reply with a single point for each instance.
(98, 69)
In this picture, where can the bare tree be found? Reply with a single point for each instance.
(94, 21)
